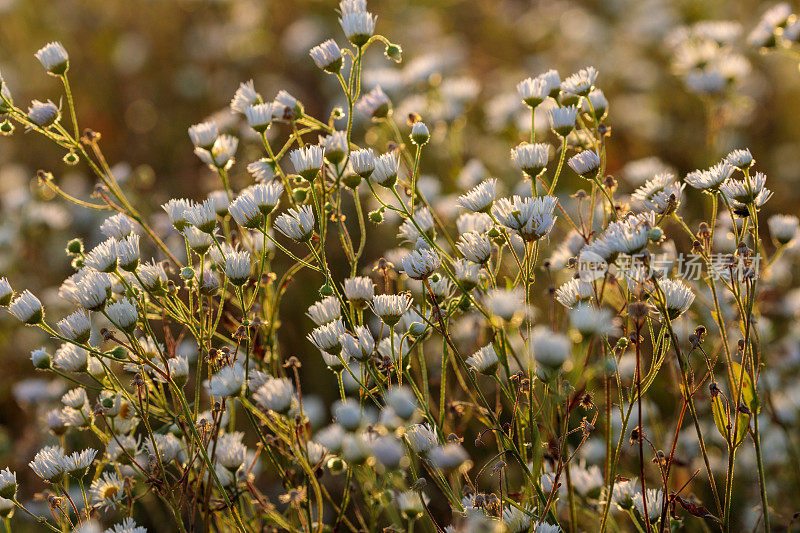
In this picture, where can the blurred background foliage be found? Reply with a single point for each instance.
(144, 70)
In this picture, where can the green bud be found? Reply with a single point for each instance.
(75, 246)
(336, 465)
(394, 52)
(119, 353)
(326, 290)
(655, 235)
(376, 216)
(6, 128)
(71, 158)
(300, 194)
(187, 273)
(352, 181)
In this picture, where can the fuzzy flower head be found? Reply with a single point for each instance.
(324, 311)
(532, 218)
(118, 226)
(484, 361)
(221, 154)
(584, 163)
(562, 119)
(326, 337)
(581, 82)
(506, 305)
(385, 170)
(327, 56)
(375, 104)
(259, 116)
(107, 490)
(390, 307)
(410, 232)
(297, 224)
(533, 91)
(6, 292)
(27, 308)
(43, 114)
(227, 382)
(421, 438)
(480, 198)
(245, 210)
(783, 228)
(128, 253)
(476, 247)
(420, 264)
(661, 194)
(123, 314)
(8, 484)
(677, 297)
(237, 266)
(363, 162)
(177, 210)
(712, 178)
(49, 464)
(531, 158)
(307, 160)
(54, 58)
(276, 394)
(244, 97)
(203, 134)
(358, 26)
(359, 291)
(741, 158)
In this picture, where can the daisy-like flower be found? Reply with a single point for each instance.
(480, 198)
(118, 226)
(420, 133)
(531, 158)
(335, 146)
(285, 107)
(107, 490)
(581, 82)
(177, 209)
(654, 497)
(597, 101)
(741, 158)
(660, 194)
(103, 257)
(562, 119)
(552, 80)
(420, 264)
(220, 201)
(230, 451)
(711, 179)
(484, 361)
(244, 97)
(390, 307)
(220, 156)
(326, 337)
(54, 58)
(167, 446)
(76, 326)
(467, 273)
(128, 253)
(584, 163)
(93, 290)
(678, 297)
(6, 292)
(591, 321)
(77, 463)
(71, 358)
(783, 227)
(276, 394)
(327, 56)
(128, 525)
(197, 240)
(245, 211)
(27, 308)
(123, 314)
(40, 359)
(363, 162)
(359, 291)
(476, 247)
(307, 160)
(385, 170)
(474, 222)
(76, 398)
(335, 362)
(358, 26)
(516, 520)
(631, 235)
(237, 266)
(375, 104)
(49, 464)
(324, 311)
(227, 382)
(402, 402)
(388, 451)
(153, 276)
(421, 438)
(203, 216)
(259, 116)
(533, 91)
(532, 218)
(8, 484)
(204, 134)
(448, 457)
(549, 349)
(409, 232)
(297, 224)
(745, 191)
(262, 170)
(506, 305)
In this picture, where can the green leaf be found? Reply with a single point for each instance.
(720, 411)
(742, 424)
(749, 397)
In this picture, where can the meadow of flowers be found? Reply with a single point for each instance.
(400, 293)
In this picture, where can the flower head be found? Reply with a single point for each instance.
(43, 114)
(327, 56)
(227, 382)
(297, 224)
(54, 58)
(204, 134)
(390, 307)
(480, 198)
(531, 158)
(375, 104)
(307, 160)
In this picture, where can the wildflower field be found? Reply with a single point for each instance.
(451, 266)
